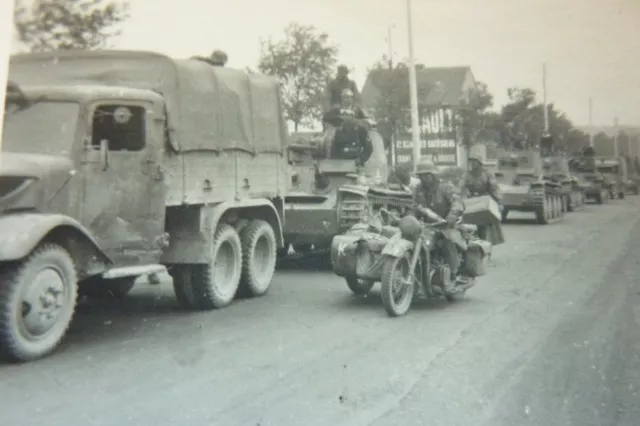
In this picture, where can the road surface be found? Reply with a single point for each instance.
(550, 337)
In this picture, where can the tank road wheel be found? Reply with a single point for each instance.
(215, 284)
(560, 209)
(544, 210)
(259, 254)
(359, 286)
(37, 303)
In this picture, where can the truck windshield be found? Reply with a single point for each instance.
(44, 127)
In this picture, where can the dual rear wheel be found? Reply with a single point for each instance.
(242, 263)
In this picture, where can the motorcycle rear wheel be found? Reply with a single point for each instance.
(396, 296)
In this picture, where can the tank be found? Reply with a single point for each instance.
(327, 196)
(595, 187)
(556, 169)
(525, 187)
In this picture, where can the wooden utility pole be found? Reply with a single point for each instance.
(413, 90)
(616, 137)
(544, 99)
(393, 159)
(591, 122)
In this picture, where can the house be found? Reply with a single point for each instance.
(441, 91)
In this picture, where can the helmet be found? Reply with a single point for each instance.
(477, 157)
(219, 57)
(343, 69)
(426, 167)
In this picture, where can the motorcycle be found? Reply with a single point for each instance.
(415, 266)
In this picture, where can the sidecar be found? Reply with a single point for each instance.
(356, 255)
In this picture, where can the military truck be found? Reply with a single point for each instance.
(327, 196)
(556, 169)
(117, 165)
(525, 188)
(614, 170)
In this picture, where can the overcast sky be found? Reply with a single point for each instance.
(592, 47)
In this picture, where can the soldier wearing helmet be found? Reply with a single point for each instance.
(337, 86)
(217, 59)
(444, 199)
(479, 181)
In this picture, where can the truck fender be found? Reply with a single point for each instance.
(210, 216)
(20, 233)
(397, 247)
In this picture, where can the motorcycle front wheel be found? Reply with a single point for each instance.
(396, 294)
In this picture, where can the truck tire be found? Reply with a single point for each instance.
(183, 285)
(259, 255)
(215, 285)
(32, 327)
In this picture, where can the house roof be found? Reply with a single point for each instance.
(436, 86)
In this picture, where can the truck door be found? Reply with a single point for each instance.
(123, 196)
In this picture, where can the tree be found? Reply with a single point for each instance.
(303, 62)
(48, 25)
(472, 114)
(391, 107)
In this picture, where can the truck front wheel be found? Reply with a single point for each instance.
(259, 254)
(37, 303)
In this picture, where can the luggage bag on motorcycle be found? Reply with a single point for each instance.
(357, 253)
(475, 258)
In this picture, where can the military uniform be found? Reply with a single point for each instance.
(444, 199)
(483, 182)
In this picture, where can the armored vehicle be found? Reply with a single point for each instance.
(327, 196)
(614, 170)
(595, 187)
(556, 169)
(525, 188)
(117, 165)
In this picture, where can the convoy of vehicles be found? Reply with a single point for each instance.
(525, 187)
(117, 165)
(121, 164)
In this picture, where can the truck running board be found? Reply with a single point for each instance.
(133, 271)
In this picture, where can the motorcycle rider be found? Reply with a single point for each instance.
(478, 181)
(444, 199)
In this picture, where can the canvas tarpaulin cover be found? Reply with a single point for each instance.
(210, 108)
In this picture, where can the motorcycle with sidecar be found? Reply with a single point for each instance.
(405, 255)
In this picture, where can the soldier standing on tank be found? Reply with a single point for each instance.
(337, 86)
(444, 199)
